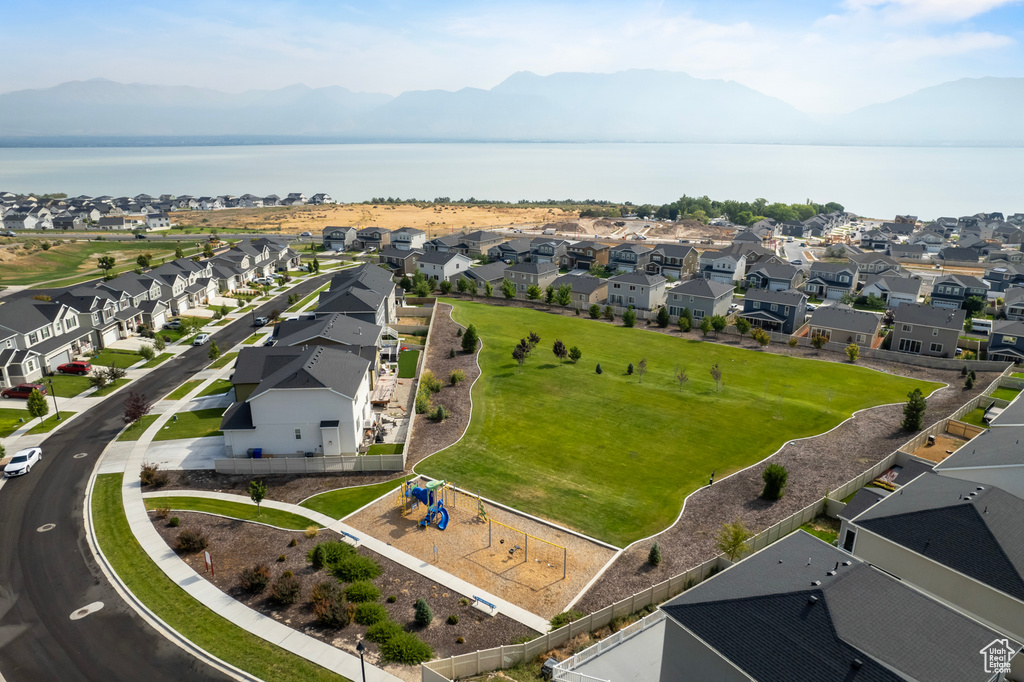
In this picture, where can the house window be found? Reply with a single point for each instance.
(698, 314)
(775, 307)
(910, 346)
(860, 338)
(33, 337)
(632, 300)
(298, 434)
(46, 332)
(755, 305)
(936, 347)
(908, 327)
(1010, 340)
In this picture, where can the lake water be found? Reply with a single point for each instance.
(872, 181)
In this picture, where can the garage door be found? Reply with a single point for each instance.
(59, 359)
(109, 336)
(159, 319)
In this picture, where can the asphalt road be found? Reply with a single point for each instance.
(47, 576)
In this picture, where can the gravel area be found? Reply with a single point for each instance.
(235, 545)
(291, 488)
(428, 437)
(815, 465)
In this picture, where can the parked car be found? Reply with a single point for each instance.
(811, 307)
(173, 324)
(200, 339)
(261, 321)
(265, 281)
(10, 233)
(23, 461)
(796, 261)
(22, 390)
(140, 236)
(82, 368)
(270, 342)
(306, 234)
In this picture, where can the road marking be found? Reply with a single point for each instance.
(86, 610)
(46, 527)
(80, 455)
(3, 480)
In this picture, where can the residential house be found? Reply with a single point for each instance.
(585, 255)
(524, 275)
(775, 276)
(482, 275)
(295, 199)
(1013, 300)
(450, 242)
(586, 289)
(875, 240)
(158, 221)
(952, 291)
(893, 289)
(703, 297)
(1006, 341)
(321, 198)
(959, 255)
(372, 238)
(68, 222)
(831, 280)
(1003, 276)
(628, 257)
(869, 264)
(932, 241)
(114, 223)
(637, 289)
(440, 266)
(510, 252)
(20, 221)
(96, 312)
(336, 331)
(284, 258)
(898, 229)
(366, 292)
(293, 400)
(271, 200)
(51, 330)
(746, 237)
(778, 311)
(792, 228)
(719, 267)
(478, 243)
(926, 330)
(339, 238)
(408, 238)
(1013, 256)
(908, 219)
(842, 324)
(547, 250)
(907, 251)
(982, 247)
(401, 261)
(675, 260)
(132, 291)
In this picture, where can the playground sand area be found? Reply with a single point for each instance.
(522, 570)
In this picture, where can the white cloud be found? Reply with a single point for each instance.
(938, 11)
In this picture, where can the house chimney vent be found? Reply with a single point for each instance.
(812, 600)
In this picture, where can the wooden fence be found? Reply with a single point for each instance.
(309, 465)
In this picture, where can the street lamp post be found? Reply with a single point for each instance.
(362, 666)
(54, 395)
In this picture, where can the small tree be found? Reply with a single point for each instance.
(629, 369)
(534, 292)
(159, 343)
(732, 540)
(681, 376)
(136, 406)
(463, 285)
(685, 324)
(598, 369)
(969, 382)
(144, 260)
(629, 317)
(719, 323)
(533, 339)
(818, 341)
(913, 411)
(654, 556)
(609, 313)
(560, 350)
(37, 405)
(519, 355)
(508, 288)
(315, 265)
(853, 352)
(575, 354)
(446, 287)
(257, 491)
(595, 311)
(563, 295)
(761, 336)
(742, 325)
(641, 369)
(716, 374)
(470, 339)
(147, 352)
(178, 253)
(214, 352)
(106, 264)
(774, 477)
(705, 326)
(424, 614)
(208, 250)
(488, 289)
(549, 294)
(663, 317)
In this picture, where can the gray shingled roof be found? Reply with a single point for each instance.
(486, 273)
(300, 367)
(776, 271)
(896, 284)
(638, 278)
(1013, 294)
(846, 319)
(583, 284)
(439, 257)
(779, 615)
(994, 446)
(341, 329)
(917, 313)
(533, 268)
(787, 297)
(705, 288)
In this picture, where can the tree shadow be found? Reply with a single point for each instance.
(547, 366)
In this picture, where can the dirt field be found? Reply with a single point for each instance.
(943, 448)
(530, 576)
(435, 220)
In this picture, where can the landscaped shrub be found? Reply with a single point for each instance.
(283, 558)
(629, 317)
(440, 413)
(451, 352)
(565, 618)
(430, 382)
(191, 541)
(328, 590)
(311, 532)
(969, 383)
(294, 542)
(405, 648)
(383, 631)
(453, 619)
(458, 332)
(629, 370)
(362, 591)
(356, 567)
(151, 475)
(456, 376)
(392, 599)
(470, 340)
(174, 522)
(775, 477)
(423, 403)
(595, 311)
(369, 613)
(147, 352)
(424, 614)
(254, 579)
(162, 512)
(654, 556)
(599, 370)
(460, 640)
(329, 552)
(286, 589)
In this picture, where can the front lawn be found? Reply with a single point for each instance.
(223, 360)
(175, 607)
(66, 385)
(308, 299)
(218, 387)
(234, 510)
(198, 424)
(183, 390)
(340, 503)
(9, 421)
(109, 357)
(613, 457)
(252, 339)
(157, 360)
(110, 388)
(135, 431)
(407, 360)
(49, 423)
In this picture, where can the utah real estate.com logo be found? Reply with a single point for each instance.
(997, 656)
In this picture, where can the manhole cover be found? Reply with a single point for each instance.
(86, 610)
(80, 455)
(46, 527)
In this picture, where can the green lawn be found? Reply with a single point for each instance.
(9, 421)
(135, 431)
(172, 335)
(1003, 393)
(614, 457)
(309, 299)
(77, 262)
(109, 357)
(110, 388)
(824, 528)
(66, 385)
(157, 360)
(175, 607)
(407, 360)
(223, 360)
(252, 339)
(340, 503)
(974, 417)
(1017, 375)
(385, 449)
(183, 390)
(235, 510)
(49, 423)
(198, 424)
(218, 387)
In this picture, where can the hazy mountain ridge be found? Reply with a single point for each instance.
(628, 106)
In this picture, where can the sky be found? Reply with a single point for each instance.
(820, 57)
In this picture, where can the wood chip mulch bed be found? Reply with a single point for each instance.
(291, 488)
(235, 545)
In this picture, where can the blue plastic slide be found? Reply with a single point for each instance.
(443, 523)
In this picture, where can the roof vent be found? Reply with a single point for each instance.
(980, 488)
(831, 573)
(847, 563)
(808, 561)
(856, 663)
(812, 599)
(986, 510)
(816, 583)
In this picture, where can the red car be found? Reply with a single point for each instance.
(22, 390)
(82, 368)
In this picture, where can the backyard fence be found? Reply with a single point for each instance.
(309, 465)
(565, 671)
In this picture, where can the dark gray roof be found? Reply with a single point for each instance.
(584, 284)
(300, 367)
(1012, 415)
(440, 257)
(776, 271)
(341, 329)
(24, 314)
(833, 268)
(846, 319)
(411, 231)
(534, 268)
(481, 235)
(394, 252)
(787, 297)
(779, 615)
(1015, 327)
(705, 288)
(872, 257)
(638, 278)
(1013, 294)
(632, 248)
(896, 284)
(519, 245)
(962, 280)
(917, 313)
(486, 273)
(673, 250)
(338, 228)
(979, 535)
(238, 417)
(863, 499)
(995, 446)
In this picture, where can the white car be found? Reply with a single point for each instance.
(23, 461)
(200, 339)
(811, 307)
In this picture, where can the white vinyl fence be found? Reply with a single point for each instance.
(309, 465)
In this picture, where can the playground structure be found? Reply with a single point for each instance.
(432, 496)
(545, 556)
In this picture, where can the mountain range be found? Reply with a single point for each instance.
(628, 106)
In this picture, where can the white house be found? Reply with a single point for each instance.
(158, 221)
(440, 266)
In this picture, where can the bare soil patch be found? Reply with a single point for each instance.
(235, 545)
(486, 554)
(943, 448)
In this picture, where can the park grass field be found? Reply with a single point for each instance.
(613, 457)
(78, 260)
